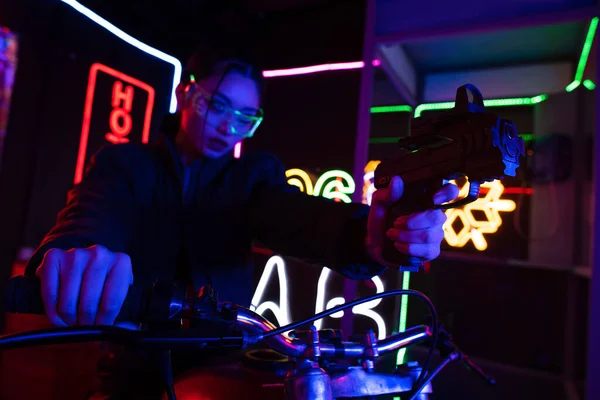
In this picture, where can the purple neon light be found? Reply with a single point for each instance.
(317, 68)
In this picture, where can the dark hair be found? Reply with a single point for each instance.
(211, 60)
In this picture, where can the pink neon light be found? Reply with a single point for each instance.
(318, 68)
(237, 150)
(313, 69)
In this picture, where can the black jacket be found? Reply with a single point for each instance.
(131, 200)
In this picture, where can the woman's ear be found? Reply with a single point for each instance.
(187, 98)
(179, 93)
(182, 95)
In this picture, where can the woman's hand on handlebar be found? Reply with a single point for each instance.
(84, 286)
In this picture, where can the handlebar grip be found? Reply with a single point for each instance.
(24, 296)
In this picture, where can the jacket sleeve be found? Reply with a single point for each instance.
(98, 210)
(313, 229)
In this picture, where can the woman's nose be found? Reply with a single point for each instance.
(225, 126)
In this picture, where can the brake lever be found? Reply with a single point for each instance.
(470, 365)
(450, 352)
(446, 348)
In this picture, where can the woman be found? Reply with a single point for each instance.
(183, 208)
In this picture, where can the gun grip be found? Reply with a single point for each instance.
(417, 197)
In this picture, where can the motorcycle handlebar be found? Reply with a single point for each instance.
(24, 296)
(347, 350)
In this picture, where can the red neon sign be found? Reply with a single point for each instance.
(122, 102)
(120, 120)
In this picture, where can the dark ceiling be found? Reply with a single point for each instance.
(176, 25)
(539, 44)
(276, 33)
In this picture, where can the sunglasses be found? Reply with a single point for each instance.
(241, 123)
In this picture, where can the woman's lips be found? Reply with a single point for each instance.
(217, 144)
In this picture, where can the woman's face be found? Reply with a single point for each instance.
(210, 126)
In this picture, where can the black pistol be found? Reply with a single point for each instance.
(466, 141)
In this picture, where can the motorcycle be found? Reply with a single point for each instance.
(317, 365)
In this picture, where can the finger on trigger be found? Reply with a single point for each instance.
(447, 193)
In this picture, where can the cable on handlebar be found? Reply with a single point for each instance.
(434, 328)
(342, 307)
(82, 334)
(79, 334)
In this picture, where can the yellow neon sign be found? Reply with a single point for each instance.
(473, 229)
(300, 178)
(340, 185)
(368, 186)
